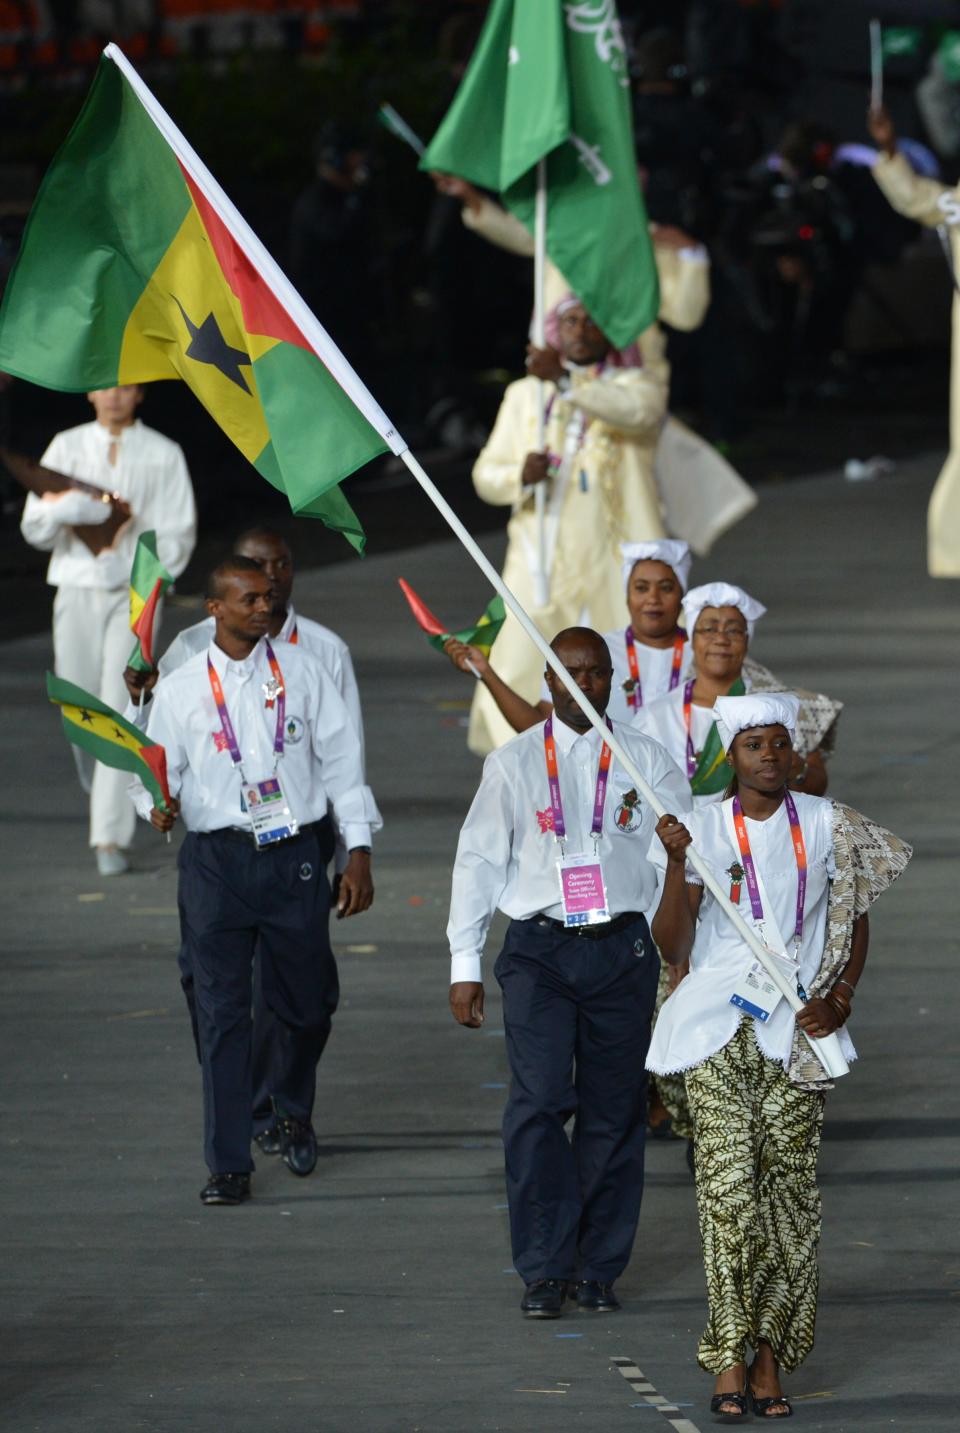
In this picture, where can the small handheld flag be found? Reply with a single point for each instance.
(149, 581)
(482, 634)
(398, 126)
(90, 723)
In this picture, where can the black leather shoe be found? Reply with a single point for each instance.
(298, 1143)
(268, 1140)
(596, 1298)
(226, 1189)
(544, 1299)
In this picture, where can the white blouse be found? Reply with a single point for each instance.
(698, 1020)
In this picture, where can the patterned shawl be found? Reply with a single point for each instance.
(868, 859)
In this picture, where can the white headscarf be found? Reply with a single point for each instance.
(733, 714)
(666, 549)
(720, 594)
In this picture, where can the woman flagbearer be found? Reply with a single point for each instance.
(650, 655)
(804, 871)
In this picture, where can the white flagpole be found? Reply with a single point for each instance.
(828, 1049)
(541, 577)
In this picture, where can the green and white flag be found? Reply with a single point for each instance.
(549, 80)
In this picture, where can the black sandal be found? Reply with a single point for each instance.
(740, 1399)
(761, 1406)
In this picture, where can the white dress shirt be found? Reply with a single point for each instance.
(507, 854)
(150, 473)
(698, 1020)
(321, 766)
(331, 652)
(656, 668)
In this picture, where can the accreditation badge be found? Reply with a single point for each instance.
(268, 811)
(756, 994)
(583, 891)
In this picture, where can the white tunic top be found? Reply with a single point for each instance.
(321, 767)
(331, 651)
(507, 853)
(150, 473)
(656, 668)
(698, 1020)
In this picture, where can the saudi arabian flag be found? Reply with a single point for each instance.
(549, 80)
(90, 723)
(149, 581)
(135, 266)
(897, 41)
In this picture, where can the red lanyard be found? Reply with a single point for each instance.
(635, 693)
(799, 851)
(275, 689)
(553, 780)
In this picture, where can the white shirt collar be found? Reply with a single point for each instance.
(566, 737)
(103, 435)
(243, 669)
(289, 622)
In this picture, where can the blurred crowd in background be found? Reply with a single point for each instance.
(751, 138)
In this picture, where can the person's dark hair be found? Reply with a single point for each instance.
(259, 531)
(229, 568)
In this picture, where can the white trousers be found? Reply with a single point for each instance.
(91, 644)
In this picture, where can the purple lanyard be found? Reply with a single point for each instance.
(688, 723)
(225, 722)
(553, 779)
(799, 851)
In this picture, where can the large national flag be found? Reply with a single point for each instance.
(549, 80)
(90, 723)
(134, 267)
(482, 634)
(149, 581)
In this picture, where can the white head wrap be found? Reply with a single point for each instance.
(720, 594)
(733, 714)
(667, 549)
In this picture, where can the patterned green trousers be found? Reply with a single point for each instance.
(757, 1138)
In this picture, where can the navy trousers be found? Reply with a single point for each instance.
(577, 1018)
(236, 901)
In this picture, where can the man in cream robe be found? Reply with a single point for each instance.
(602, 428)
(932, 203)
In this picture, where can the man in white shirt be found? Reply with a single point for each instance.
(261, 754)
(91, 611)
(271, 552)
(578, 973)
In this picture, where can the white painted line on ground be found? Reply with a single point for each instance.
(640, 1383)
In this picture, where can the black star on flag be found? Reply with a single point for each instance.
(85, 716)
(208, 345)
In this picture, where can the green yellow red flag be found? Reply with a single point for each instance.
(482, 634)
(90, 723)
(149, 581)
(135, 267)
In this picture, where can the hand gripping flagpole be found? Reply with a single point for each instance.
(828, 1049)
(541, 575)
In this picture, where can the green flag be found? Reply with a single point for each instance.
(900, 40)
(549, 81)
(949, 53)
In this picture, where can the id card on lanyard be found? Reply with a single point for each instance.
(263, 802)
(756, 993)
(633, 686)
(583, 891)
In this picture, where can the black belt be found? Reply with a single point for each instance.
(589, 932)
(236, 833)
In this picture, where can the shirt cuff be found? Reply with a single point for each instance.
(694, 254)
(465, 965)
(355, 833)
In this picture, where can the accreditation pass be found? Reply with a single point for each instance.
(755, 992)
(583, 891)
(268, 811)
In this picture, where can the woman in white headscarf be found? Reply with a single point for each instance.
(650, 655)
(720, 620)
(803, 871)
